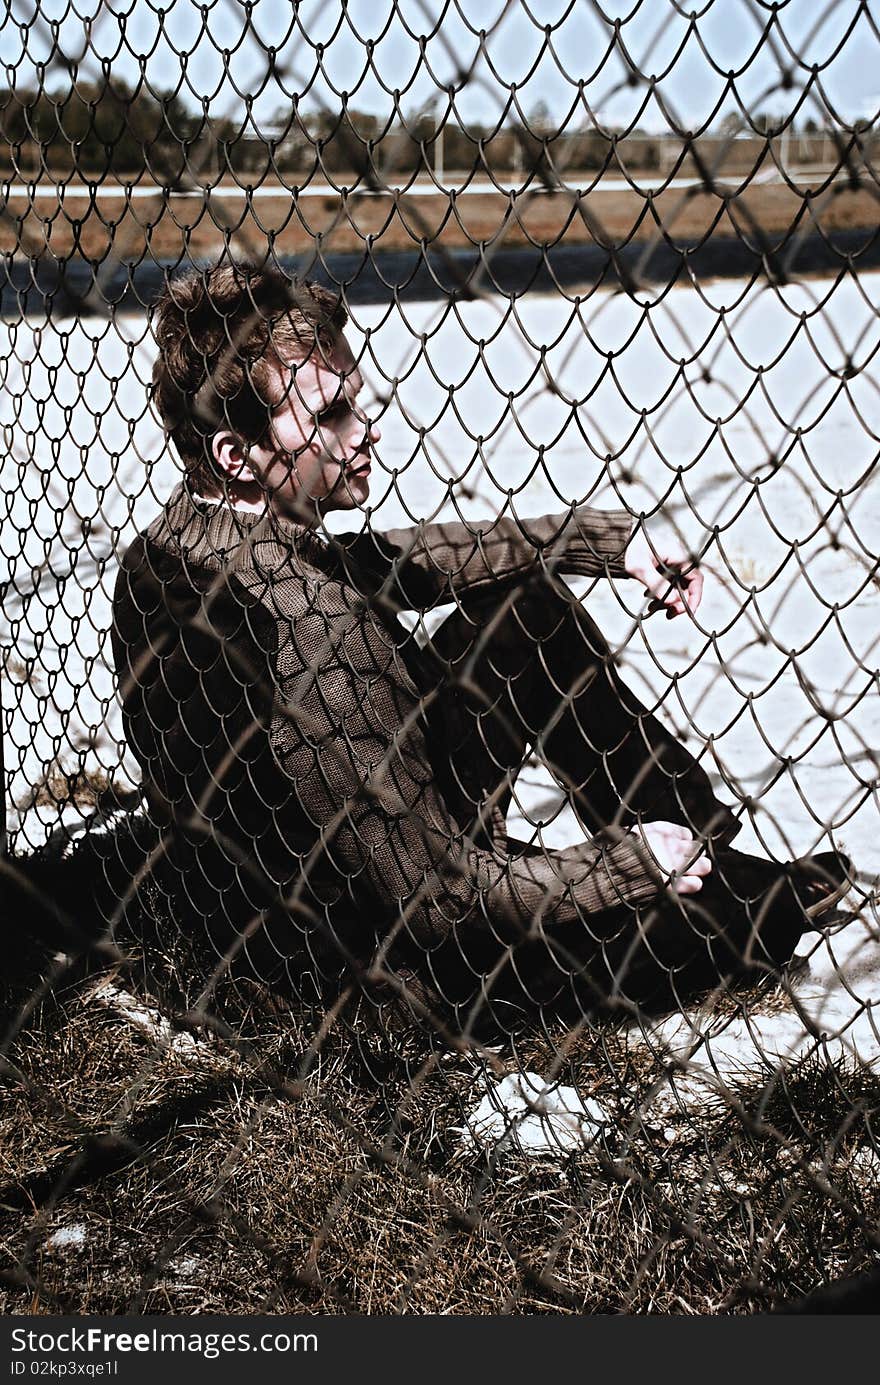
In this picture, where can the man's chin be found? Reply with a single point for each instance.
(348, 497)
(357, 489)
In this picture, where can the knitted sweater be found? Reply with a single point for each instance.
(276, 707)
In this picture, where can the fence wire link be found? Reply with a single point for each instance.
(345, 977)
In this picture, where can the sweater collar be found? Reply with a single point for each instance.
(217, 535)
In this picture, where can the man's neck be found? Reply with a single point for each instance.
(257, 505)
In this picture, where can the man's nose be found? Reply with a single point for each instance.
(370, 428)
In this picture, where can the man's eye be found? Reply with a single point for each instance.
(331, 413)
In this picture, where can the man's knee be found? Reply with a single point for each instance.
(537, 621)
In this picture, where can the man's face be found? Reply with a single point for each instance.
(316, 455)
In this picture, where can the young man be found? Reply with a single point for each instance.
(332, 795)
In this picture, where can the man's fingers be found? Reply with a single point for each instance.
(701, 866)
(665, 596)
(675, 594)
(677, 854)
(656, 586)
(691, 879)
(688, 884)
(668, 573)
(695, 588)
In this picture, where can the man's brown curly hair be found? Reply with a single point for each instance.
(222, 335)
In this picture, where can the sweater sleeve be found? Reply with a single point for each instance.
(430, 563)
(348, 731)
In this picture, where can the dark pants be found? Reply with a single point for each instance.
(515, 674)
(529, 673)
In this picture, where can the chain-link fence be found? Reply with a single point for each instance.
(404, 916)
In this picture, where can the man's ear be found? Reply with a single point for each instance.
(229, 456)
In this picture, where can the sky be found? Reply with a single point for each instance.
(560, 53)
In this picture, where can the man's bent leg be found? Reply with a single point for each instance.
(531, 668)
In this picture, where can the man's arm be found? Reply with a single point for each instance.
(348, 732)
(428, 564)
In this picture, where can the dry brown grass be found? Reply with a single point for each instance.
(255, 1164)
(59, 787)
(186, 228)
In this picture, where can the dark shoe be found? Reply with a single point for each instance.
(821, 881)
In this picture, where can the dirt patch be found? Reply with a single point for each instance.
(159, 228)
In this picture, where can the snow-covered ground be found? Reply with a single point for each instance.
(753, 412)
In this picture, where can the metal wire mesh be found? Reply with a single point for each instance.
(343, 959)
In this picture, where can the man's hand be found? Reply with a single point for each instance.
(669, 574)
(677, 854)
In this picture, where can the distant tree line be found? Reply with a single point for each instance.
(106, 128)
(96, 129)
